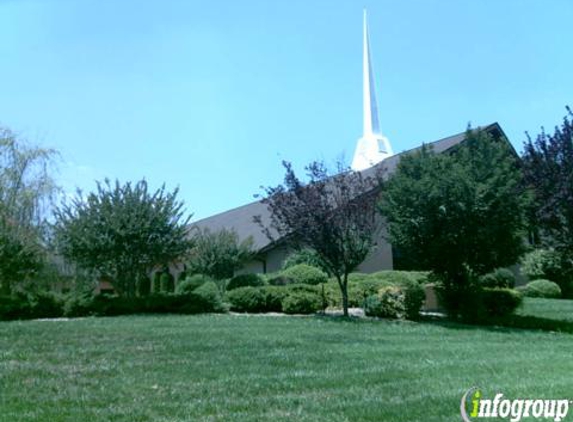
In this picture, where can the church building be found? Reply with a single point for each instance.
(373, 149)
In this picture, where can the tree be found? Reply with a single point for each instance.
(26, 193)
(548, 170)
(334, 215)
(459, 214)
(122, 231)
(218, 254)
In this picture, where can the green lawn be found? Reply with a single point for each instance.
(561, 309)
(261, 368)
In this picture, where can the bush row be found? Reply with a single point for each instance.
(292, 299)
(204, 299)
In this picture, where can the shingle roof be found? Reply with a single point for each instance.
(241, 219)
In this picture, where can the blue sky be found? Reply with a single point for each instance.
(211, 95)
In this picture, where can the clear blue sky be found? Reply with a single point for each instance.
(211, 95)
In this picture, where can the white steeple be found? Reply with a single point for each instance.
(373, 147)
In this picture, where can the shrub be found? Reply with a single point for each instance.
(274, 296)
(500, 278)
(156, 283)
(78, 305)
(305, 274)
(388, 303)
(37, 305)
(14, 307)
(144, 286)
(541, 288)
(545, 264)
(302, 302)
(245, 280)
(167, 282)
(192, 282)
(402, 301)
(211, 294)
(277, 279)
(45, 305)
(500, 302)
(247, 299)
(303, 256)
(182, 276)
(542, 264)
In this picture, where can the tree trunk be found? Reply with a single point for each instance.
(343, 284)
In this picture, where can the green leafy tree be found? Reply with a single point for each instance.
(459, 214)
(334, 215)
(548, 169)
(26, 193)
(218, 254)
(122, 231)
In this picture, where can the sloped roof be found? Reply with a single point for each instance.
(241, 219)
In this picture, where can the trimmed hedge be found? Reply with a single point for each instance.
(247, 299)
(302, 302)
(51, 306)
(305, 274)
(41, 305)
(245, 280)
(295, 298)
(211, 293)
(541, 288)
(500, 302)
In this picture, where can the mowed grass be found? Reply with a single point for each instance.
(557, 309)
(264, 368)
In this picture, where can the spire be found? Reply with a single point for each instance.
(370, 108)
(373, 147)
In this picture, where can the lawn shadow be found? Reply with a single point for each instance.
(511, 323)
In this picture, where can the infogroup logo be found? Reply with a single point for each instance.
(475, 406)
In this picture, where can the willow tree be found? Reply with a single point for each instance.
(26, 193)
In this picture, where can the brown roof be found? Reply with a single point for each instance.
(241, 219)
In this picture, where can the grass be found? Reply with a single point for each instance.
(561, 309)
(261, 368)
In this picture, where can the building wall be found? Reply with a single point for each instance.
(380, 258)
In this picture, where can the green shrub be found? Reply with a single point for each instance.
(167, 282)
(26, 306)
(182, 276)
(541, 288)
(78, 305)
(191, 283)
(302, 302)
(277, 279)
(45, 305)
(144, 286)
(401, 301)
(303, 256)
(156, 283)
(210, 293)
(14, 307)
(274, 296)
(500, 302)
(542, 264)
(245, 280)
(500, 278)
(388, 303)
(247, 299)
(305, 274)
